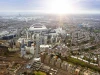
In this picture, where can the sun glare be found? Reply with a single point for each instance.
(61, 7)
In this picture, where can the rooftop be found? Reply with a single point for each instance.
(37, 27)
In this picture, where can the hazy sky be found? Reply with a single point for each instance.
(42, 5)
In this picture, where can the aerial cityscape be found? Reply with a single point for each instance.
(60, 37)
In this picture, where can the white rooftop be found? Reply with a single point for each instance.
(36, 59)
(4, 33)
(37, 27)
(45, 46)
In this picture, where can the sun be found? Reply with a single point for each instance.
(61, 7)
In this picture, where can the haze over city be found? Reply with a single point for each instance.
(51, 6)
(49, 37)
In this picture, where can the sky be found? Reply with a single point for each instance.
(44, 5)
